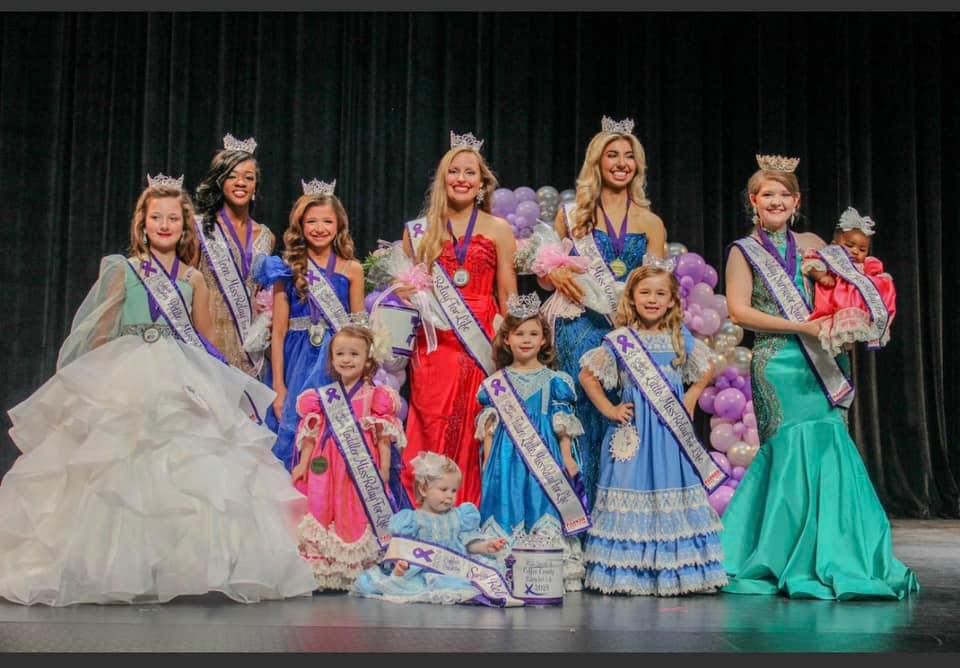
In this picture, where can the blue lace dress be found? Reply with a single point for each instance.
(577, 336)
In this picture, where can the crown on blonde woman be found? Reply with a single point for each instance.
(231, 143)
(163, 181)
(317, 187)
(465, 141)
(624, 127)
(777, 163)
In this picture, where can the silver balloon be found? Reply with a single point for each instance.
(568, 195)
(732, 330)
(722, 343)
(548, 195)
(674, 249)
(548, 212)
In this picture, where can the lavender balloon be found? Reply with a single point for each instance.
(525, 194)
(720, 498)
(504, 202)
(729, 403)
(692, 265)
(710, 276)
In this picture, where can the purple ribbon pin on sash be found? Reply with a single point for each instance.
(624, 342)
(498, 387)
(420, 553)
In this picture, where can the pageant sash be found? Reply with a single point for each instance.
(587, 247)
(169, 300)
(231, 284)
(839, 262)
(348, 436)
(417, 231)
(462, 320)
(536, 455)
(325, 298)
(634, 358)
(836, 386)
(438, 559)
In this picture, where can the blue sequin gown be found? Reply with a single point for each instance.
(453, 530)
(654, 531)
(577, 336)
(513, 502)
(304, 364)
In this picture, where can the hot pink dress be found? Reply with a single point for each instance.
(847, 317)
(335, 535)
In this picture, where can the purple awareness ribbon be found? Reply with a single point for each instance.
(619, 241)
(418, 230)
(498, 387)
(246, 249)
(420, 553)
(332, 394)
(625, 343)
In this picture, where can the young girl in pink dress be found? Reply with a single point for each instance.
(336, 535)
(847, 316)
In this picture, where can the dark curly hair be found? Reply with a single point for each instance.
(502, 356)
(209, 198)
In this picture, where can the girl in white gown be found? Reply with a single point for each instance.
(143, 476)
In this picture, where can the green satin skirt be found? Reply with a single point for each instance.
(805, 521)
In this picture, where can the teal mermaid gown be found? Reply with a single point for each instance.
(805, 521)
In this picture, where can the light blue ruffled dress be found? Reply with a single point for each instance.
(575, 337)
(453, 530)
(513, 502)
(654, 531)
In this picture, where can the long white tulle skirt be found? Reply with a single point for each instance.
(142, 479)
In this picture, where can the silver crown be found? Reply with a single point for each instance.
(667, 264)
(852, 220)
(163, 181)
(777, 163)
(360, 319)
(523, 306)
(624, 127)
(465, 141)
(231, 143)
(316, 187)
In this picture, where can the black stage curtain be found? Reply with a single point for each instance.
(91, 102)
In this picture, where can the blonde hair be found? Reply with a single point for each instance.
(186, 245)
(436, 204)
(429, 467)
(590, 182)
(295, 245)
(627, 315)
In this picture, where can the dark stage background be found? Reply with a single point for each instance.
(90, 102)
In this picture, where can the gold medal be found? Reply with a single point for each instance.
(618, 267)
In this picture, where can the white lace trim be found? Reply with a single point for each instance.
(712, 583)
(601, 363)
(625, 443)
(486, 414)
(812, 264)
(689, 556)
(567, 424)
(309, 429)
(657, 501)
(698, 362)
(335, 563)
(396, 434)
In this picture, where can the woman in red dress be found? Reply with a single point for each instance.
(476, 251)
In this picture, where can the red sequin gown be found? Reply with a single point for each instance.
(444, 383)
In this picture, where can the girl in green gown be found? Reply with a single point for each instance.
(805, 521)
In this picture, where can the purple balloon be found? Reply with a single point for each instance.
(747, 388)
(369, 299)
(696, 323)
(738, 472)
(714, 421)
(525, 194)
(719, 304)
(706, 400)
(721, 460)
(504, 201)
(739, 428)
(721, 383)
(749, 420)
(711, 321)
(511, 218)
(720, 498)
(529, 210)
(731, 373)
(701, 294)
(738, 382)
(729, 403)
(732, 483)
(687, 282)
(692, 265)
(695, 308)
(722, 437)
(402, 413)
(710, 276)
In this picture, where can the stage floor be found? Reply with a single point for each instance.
(586, 622)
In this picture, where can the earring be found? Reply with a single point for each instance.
(253, 197)
(146, 240)
(793, 217)
(756, 217)
(480, 196)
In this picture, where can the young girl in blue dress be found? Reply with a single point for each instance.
(318, 247)
(514, 502)
(654, 531)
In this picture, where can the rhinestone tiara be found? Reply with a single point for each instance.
(465, 141)
(162, 180)
(667, 264)
(624, 127)
(777, 163)
(317, 187)
(231, 143)
(523, 306)
(852, 220)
